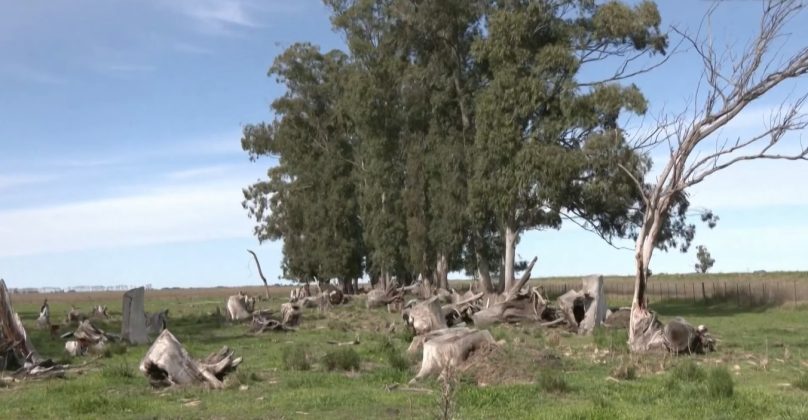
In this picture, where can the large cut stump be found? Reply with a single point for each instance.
(87, 339)
(240, 307)
(585, 309)
(157, 322)
(16, 350)
(448, 348)
(647, 334)
(521, 308)
(377, 297)
(167, 363)
(290, 315)
(133, 327)
(425, 316)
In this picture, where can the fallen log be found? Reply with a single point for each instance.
(167, 363)
(448, 348)
(16, 350)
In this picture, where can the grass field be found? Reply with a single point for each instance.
(759, 371)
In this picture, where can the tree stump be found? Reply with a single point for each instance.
(167, 363)
(240, 307)
(448, 348)
(133, 327)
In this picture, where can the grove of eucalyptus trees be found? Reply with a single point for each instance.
(447, 129)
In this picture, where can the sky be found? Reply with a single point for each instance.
(121, 164)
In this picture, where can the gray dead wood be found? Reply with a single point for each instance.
(240, 307)
(16, 350)
(99, 312)
(133, 326)
(260, 273)
(87, 338)
(43, 322)
(585, 309)
(167, 363)
(379, 297)
(518, 304)
(650, 335)
(291, 315)
(448, 348)
(74, 316)
(157, 322)
(424, 317)
(618, 318)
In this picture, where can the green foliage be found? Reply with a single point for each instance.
(344, 358)
(720, 383)
(705, 261)
(393, 355)
(116, 372)
(295, 357)
(113, 349)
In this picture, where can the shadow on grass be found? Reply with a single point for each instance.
(685, 308)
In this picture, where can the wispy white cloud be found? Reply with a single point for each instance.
(216, 16)
(170, 214)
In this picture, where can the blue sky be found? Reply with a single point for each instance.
(120, 160)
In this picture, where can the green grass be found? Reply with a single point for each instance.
(535, 374)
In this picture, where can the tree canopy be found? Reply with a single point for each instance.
(446, 130)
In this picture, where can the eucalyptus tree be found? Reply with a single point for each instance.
(309, 199)
(545, 140)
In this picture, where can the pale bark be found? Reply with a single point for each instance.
(87, 339)
(291, 315)
(133, 327)
(425, 317)
(448, 348)
(484, 273)
(442, 272)
(240, 307)
(167, 363)
(585, 309)
(510, 260)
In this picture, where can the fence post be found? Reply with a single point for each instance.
(703, 293)
(795, 292)
(676, 290)
(751, 297)
(725, 290)
(765, 296)
(738, 292)
(693, 288)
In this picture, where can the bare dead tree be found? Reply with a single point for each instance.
(260, 273)
(730, 82)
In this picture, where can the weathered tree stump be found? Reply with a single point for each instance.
(167, 363)
(290, 315)
(157, 322)
(448, 348)
(585, 309)
(133, 327)
(240, 307)
(87, 339)
(425, 316)
(16, 350)
(647, 334)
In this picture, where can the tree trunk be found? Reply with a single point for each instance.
(442, 272)
(168, 363)
(510, 260)
(425, 317)
(484, 272)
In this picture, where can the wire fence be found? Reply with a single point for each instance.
(742, 292)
